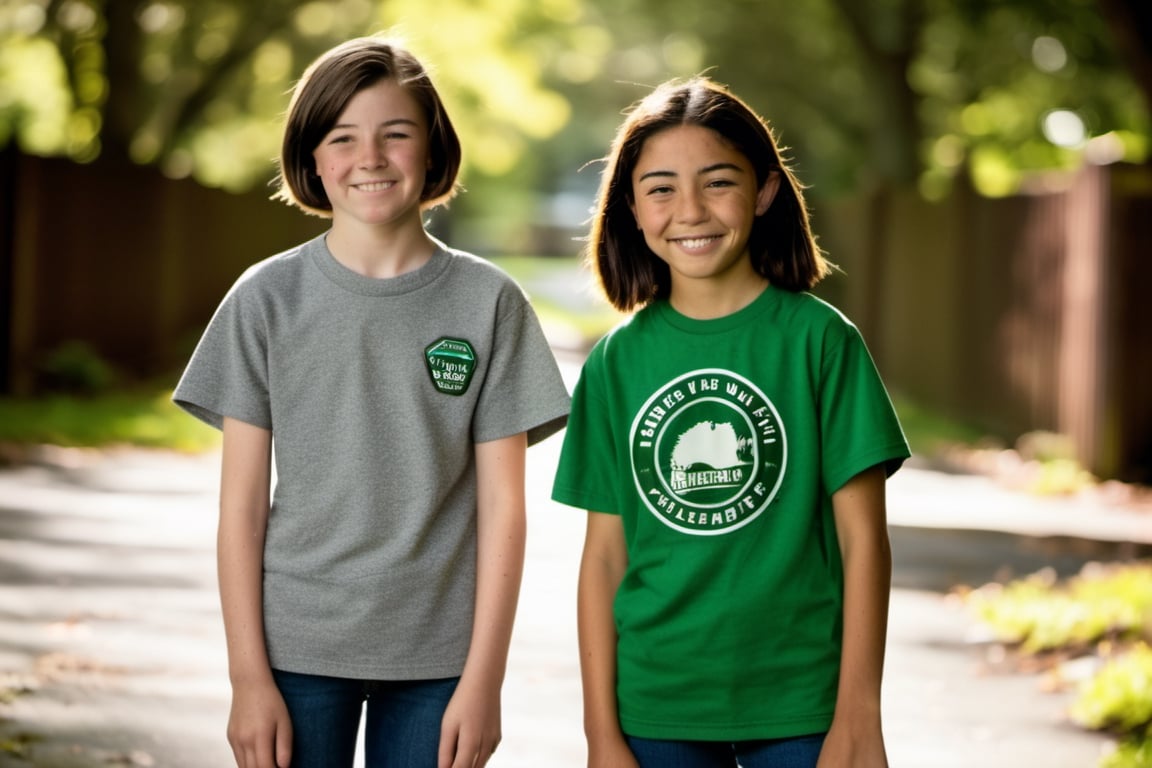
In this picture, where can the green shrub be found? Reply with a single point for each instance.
(1131, 753)
(1040, 615)
(1104, 607)
(75, 367)
(1119, 697)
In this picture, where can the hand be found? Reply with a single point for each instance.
(848, 746)
(470, 730)
(612, 753)
(259, 729)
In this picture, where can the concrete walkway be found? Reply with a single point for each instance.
(111, 647)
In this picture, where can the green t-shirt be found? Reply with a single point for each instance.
(720, 443)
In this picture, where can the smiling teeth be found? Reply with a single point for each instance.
(696, 242)
(374, 186)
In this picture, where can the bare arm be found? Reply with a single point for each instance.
(471, 729)
(258, 728)
(856, 737)
(601, 571)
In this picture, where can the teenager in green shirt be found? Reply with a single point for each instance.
(731, 441)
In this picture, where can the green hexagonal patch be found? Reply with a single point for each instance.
(451, 363)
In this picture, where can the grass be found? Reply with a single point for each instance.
(928, 432)
(145, 419)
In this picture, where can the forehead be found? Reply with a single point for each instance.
(687, 149)
(383, 100)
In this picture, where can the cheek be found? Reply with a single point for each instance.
(646, 219)
(326, 163)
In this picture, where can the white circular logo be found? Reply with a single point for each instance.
(708, 452)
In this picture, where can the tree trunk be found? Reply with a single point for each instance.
(1131, 24)
(123, 110)
(887, 41)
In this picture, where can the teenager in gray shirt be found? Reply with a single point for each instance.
(399, 381)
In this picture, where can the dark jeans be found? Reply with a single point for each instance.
(402, 729)
(799, 752)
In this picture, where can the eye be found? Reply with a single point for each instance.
(662, 189)
(720, 183)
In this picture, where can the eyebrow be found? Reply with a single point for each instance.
(385, 124)
(701, 172)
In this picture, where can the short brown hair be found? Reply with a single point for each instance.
(782, 246)
(323, 93)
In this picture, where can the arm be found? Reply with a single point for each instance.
(471, 727)
(856, 738)
(601, 571)
(258, 728)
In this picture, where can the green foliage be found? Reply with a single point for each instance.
(1041, 615)
(117, 418)
(1134, 752)
(1107, 607)
(199, 88)
(1119, 697)
(861, 90)
(76, 368)
(929, 432)
(927, 90)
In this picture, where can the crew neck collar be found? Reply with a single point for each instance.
(354, 282)
(669, 314)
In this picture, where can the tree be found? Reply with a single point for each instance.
(882, 92)
(198, 86)
(865, 92)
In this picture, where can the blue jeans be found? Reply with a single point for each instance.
(402, 727)
(798, 752)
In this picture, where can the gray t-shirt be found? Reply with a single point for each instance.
(376, 391)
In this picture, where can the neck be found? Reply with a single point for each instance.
(380, 252)
(708, 300)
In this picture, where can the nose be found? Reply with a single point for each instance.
(372, 154)
(690, 208)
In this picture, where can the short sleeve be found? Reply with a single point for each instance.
(587, 475)
(523, 390)
(858, 425)
(228, 372)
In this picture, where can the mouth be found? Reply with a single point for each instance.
(696, 243)
(374, 186)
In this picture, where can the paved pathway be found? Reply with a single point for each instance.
(111, 649)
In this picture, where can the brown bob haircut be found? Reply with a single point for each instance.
(781, 244)
(323, 93)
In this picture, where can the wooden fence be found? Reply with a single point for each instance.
(1017, 314)
(124, 259)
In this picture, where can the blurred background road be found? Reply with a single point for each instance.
(111, 647)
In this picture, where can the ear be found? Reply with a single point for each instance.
(767, 192)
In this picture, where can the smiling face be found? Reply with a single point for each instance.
(374, 160)
(694, 198)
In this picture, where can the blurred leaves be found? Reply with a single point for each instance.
(864, 91)
(1119, 699)
(1038, 614)
(1105, 611)
(199, 87)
